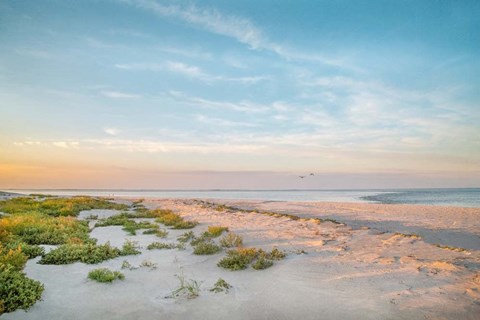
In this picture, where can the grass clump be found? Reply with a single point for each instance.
(215, 231)
(241, 258)
(221, 286)
(168, 218)
(238, 259)
(148, 264)
(16, 290)
(161, 245)
(188, 288)
(231, 240)
(275, 254)
(206, 248)
(105, 275)
(127, 265)
(185, 237)
(262, 263)
(87, 253)
(129, 248)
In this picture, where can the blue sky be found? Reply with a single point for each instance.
(239, 94)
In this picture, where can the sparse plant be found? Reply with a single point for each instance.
(457, 249)
(105, 275)
(231, 240)
(168, 218)
(221, 286)
(129, 248)
(92, 217)
(262, 263)
(275, 254)
(185, 237)
(238, 259)
(206, 248)
(188, 288)
(127, 265)
(148, 264)
(161, 233)
(160, 245)
(215, 231)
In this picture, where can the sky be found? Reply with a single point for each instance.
(239, 94)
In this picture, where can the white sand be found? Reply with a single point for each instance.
(347, 273)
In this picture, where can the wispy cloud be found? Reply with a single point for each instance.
(236, 27)
(190, 71)
(111, 131)
(223, 122)
(119, 95)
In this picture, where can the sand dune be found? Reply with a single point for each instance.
(370, 267)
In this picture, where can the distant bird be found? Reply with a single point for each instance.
(301, 177)
(311, 174)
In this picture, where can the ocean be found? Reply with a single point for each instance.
(445, 197)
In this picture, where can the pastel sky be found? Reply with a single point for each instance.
(239, 94)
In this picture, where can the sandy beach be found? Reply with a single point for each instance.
(371, 261)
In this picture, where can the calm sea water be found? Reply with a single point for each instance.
(444, 197)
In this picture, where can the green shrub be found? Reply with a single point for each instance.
(262, 263)
(238, 259)
(215, 231)
(105, 275)
(16, 290)
(129, 248)
(221, 286)
(87, 253)
(231, 240)
(13, 258)
(275, 254)
(161, 245)
(206, 248)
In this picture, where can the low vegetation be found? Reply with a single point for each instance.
(87, 253)
(57, 206)
(231, 240)
(457, 249)
(206, 248)
(187, 236)
(221, 286)
(168, 218)
(215, 231)
(41, 219)
(161, 245)
(225, 208)
(187, 289)
(241, 258)
(105, 275)
(16, 290)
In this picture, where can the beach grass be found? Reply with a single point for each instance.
(105, 275)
